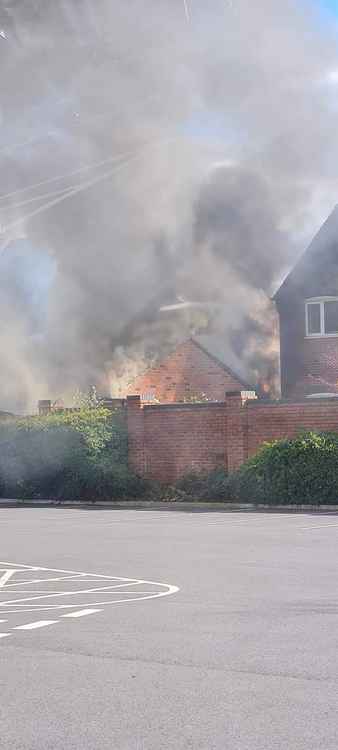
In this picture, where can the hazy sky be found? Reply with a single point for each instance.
(331, 5)
(230, 115)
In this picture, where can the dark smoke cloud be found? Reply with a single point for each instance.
(234, 111)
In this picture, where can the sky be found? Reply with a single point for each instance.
(331, 5)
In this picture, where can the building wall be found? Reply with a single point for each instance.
(186, 373)
(168, 441)
(308, 365)
(291, 327)
(320, 357)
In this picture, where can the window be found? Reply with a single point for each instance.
(331, 316)
(313, 318)
(321, 316)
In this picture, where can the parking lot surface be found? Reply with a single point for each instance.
(143, 630)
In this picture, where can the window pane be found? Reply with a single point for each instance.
(313, 318)
(331, 317)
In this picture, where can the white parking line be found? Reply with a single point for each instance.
(24, 598)
(52, 595)
(34, 625)
(82, 613)
(4, 635)
(3, 620)
(322, 526)
(7, 574)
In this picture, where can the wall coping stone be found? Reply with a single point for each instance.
(290, 402)
(183, 405)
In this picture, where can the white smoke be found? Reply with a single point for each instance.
(179, 88)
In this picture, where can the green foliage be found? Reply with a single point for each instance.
(302, 470)
(205, 486)
(71, 454)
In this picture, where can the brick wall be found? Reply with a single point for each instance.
(280, 420)
(320, 357)
(168, 441)
(188, 371)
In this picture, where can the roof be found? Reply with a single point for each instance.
(324, 246)
(215, 348)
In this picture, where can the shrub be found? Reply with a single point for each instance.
(100, 479)
(301, 470)
(205, 486)
(80, 454)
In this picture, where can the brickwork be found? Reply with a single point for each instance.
(281, 420)
(237, 430)
(320, 358)
(189, 371)
(168, 441)
(136, 438)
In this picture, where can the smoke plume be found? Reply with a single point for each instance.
(212, 126)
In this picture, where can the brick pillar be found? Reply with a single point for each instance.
(44, 407)
(236, 433)
(135, 422)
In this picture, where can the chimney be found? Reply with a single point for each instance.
(44, 407)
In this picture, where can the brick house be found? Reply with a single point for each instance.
(196, 369)
(307, 303)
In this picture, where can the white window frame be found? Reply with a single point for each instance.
(318, 301)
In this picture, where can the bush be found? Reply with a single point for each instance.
(80, 454)
(205, 486)
(302, 470)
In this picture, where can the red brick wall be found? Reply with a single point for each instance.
(168, 441)
(187, 372)
(320, 357)
(276, 421)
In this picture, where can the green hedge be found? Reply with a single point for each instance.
(301, 470)
(83, 455)
(209, 487)
(80, 454)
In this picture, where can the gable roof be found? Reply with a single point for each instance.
(323, 248)
(214, 347)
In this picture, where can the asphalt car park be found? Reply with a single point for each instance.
(140, 630)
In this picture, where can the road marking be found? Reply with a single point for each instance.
(3, 620)
(4, 635)
(78, 596)
(7, 574)
(34, 625)
(53, 595)
(82, 613)
(322, 526)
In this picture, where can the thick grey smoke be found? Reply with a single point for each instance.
(225, 121)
